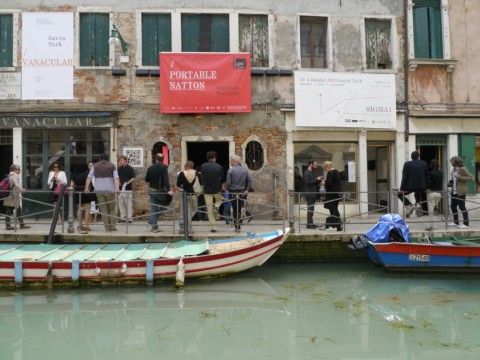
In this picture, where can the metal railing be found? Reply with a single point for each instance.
(261, 210)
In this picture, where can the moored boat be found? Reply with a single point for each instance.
(388, 244)
(80, 264)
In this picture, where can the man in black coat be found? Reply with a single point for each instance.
(310, 189)
(211, 178)
(415, 178)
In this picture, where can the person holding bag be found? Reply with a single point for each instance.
(185, 182)
(56, 177)
(458, 184)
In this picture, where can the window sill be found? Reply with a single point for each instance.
(448, 63)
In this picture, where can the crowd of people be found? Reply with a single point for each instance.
(103, 188)
(424, 181)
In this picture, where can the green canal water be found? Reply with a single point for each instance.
(307, 311)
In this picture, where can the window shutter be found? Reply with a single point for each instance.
(6, 40)
(94, 35)
(156, 37)
(220, 34)
(190, 32)
(435, 33)
(420, 33)
(426, 3)
(102, 36)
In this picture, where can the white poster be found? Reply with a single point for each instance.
(47, 56)
(345, 100)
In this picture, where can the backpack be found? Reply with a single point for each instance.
(5, 187)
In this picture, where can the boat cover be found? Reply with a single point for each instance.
(390, 227)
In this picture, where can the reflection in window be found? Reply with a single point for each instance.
(42, 148)
(343, 156)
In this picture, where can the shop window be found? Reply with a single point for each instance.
(343, 156)
(427, 29)
(253, 38)
(42, 148)
(378, 44)
(6, 40)
(205, 33)
(313, 42)
(156, 37)
(94, 35)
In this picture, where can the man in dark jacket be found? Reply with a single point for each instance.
(211, 178)
(310, 189)
(415, 178)
(157, 178)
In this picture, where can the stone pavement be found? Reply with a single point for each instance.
(139, 232)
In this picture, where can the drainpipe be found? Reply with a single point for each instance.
(406, 72)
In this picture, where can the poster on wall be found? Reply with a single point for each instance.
(345, 100)
(47, 56)
(205, 83)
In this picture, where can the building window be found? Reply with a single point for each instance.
(42, 148)
(205, 33)
(378, 43)
(6, 40)
(94, 35)
(253, 38)
(313, 42)
(427, 29)
(156, 37)
(254, 155)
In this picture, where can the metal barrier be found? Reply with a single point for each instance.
(262, 210)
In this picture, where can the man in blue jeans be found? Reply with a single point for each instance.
(157, 178)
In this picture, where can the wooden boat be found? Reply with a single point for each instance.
(389, 244)
(76, 264)
(427, 254)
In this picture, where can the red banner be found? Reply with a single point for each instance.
(205, 83)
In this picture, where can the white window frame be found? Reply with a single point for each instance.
(271, 22)
(445, 31)
(111, 47)
(394, 44)
(329, 52)
(138, 25)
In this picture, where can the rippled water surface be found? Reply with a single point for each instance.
(314, 311)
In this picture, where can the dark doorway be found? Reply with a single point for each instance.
(429, 152)
(197, 152)
(6, 159)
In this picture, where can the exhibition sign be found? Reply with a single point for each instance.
(345, 100)
(205, 83)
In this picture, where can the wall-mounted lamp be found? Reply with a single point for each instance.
(116, 38)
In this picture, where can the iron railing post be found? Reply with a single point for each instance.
(291, 217)
(71, 225)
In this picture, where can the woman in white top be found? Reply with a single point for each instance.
(56, 177)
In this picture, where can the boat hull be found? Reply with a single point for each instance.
(425, 257)
(28, 270)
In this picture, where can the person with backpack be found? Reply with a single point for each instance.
(12, 202)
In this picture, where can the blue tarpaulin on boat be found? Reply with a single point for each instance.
(390, 227)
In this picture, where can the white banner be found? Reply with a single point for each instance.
(47, 56)
(345, 100)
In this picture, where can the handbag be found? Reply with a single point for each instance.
(197, 187)
(56, 191)
(164, 198)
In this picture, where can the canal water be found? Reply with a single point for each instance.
(278, 311)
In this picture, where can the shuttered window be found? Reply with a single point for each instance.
(6, 40)
(378, 43)
(427, 30)
(253, 38)
(313, 42)
(156, 37)
(205, 33)
(94, 35)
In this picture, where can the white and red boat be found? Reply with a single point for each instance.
(80, 264)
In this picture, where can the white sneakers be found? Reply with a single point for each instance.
(462, 226)
(451, 224)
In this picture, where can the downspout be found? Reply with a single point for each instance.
(406, 73)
